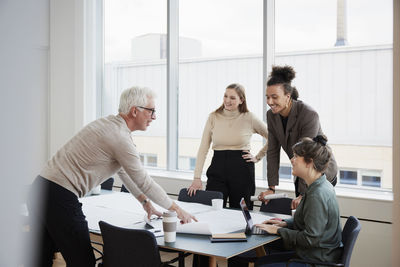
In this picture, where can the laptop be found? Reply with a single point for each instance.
(251, 229)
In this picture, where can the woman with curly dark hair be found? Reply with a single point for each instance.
(289, 120)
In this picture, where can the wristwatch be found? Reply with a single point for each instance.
(145, 201)
(272, 189)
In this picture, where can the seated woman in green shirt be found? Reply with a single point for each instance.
(314, 233)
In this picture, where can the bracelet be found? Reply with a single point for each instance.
(272, 189)
(145, 201)
(196, 178)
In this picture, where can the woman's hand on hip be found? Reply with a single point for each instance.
(248, 157)
(196, 185)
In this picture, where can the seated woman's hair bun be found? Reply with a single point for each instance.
(284, 74)
(321, 139)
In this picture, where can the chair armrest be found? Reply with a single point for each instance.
(313, 263)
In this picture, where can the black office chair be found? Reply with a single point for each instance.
(349, 237)
(123, 189)
(279, 205)
(129, 247)
(202, 197)
(108, 184)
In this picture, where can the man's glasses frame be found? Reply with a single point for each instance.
(153, 110)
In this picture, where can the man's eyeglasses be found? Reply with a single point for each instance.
(153, 110)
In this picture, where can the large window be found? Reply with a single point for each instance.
(343, 58)
(341, 51)
(217, 48)
(135, 55)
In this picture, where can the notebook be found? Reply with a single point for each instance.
(231, 237)
(250, 227)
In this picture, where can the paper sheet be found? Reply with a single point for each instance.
(122, 209)
(114, 217)
(199, 228)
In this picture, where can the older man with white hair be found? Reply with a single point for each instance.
(95, 153)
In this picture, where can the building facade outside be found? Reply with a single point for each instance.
(350, 88)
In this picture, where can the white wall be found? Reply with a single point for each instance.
(72, 94)
(45, 82)
(24, 51)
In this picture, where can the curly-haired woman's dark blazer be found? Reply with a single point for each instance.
(303, 121)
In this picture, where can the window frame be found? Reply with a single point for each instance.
(359, 179)
(173, 77)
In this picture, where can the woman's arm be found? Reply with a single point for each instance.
(201, 156)
(260, 127)
(315, 220)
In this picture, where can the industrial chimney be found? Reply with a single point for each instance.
(341, 27)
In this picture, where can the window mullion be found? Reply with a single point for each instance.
(172, 83)
(268, 56)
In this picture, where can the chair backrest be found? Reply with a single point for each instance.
(128, 247)
(278, 205)
(108, 184)
(349, 236)
(123, 189)
(201, 196)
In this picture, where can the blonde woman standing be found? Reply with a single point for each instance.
(229, 129)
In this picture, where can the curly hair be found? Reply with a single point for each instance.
(284, 76)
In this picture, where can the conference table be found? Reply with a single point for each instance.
(123, 210)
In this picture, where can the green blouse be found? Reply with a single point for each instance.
(315, 231)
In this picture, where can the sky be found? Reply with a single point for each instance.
(234, 27)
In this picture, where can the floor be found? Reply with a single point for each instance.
(59, 261)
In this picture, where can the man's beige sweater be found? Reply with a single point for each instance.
(97, 152)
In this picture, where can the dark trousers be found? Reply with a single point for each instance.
(58, 224)
(230, 174)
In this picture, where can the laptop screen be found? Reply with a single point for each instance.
(246, 213)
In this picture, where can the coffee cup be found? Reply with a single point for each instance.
(169, 226)
(217, 203)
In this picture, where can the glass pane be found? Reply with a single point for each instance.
(152, 161)
(348, 177)
(186, 163)
(285, 172)
(344, 70)
(134, 35)
(220, 44)
(374, 181)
